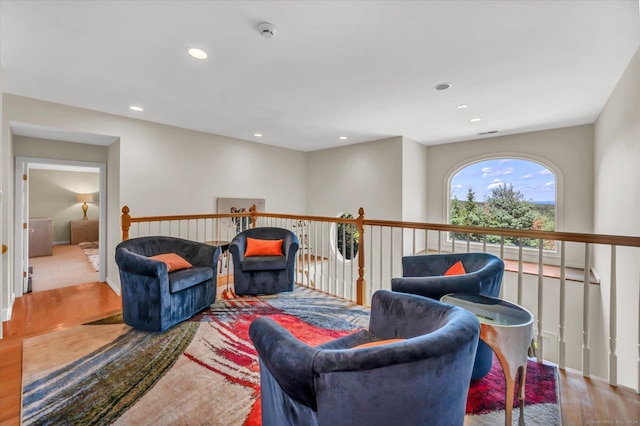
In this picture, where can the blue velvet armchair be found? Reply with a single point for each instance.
(264, 274)
(154, 299)
(424, 275)
(422, 380)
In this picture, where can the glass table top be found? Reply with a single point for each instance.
(490, 310)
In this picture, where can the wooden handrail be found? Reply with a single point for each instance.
(617, 240)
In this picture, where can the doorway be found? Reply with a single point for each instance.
(66, 224)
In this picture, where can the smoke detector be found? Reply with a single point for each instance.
(266, 29)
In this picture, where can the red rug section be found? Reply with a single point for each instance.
(488, 393)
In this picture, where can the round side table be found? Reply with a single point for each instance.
(508, 330)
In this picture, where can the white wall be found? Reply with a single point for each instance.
(157, 169)
(414, 191)
(365, 175)
(616, 207)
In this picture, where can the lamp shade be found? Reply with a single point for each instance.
(84, 198)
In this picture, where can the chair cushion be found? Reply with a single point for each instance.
(174, 261)
(264, 263)
(256, 247)
(185, 278)
(456, 269)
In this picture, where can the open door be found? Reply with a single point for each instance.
(21, 257)
(26, 228)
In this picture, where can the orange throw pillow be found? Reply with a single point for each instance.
(377, 343)
(174, 261)
(257, 247)
(456, 269)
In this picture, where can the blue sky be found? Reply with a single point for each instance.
(535, 181)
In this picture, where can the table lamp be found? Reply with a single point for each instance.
(84, 198)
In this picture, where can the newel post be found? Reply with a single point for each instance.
(126, 223)
(361, 283)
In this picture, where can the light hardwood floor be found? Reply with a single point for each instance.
(584, 401)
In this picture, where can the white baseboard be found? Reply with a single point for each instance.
(114, 287)
(5, 315)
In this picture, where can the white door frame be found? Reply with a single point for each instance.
(21, 262)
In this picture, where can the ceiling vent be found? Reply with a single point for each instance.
(487, 133)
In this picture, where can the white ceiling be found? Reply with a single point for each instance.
(361, 69)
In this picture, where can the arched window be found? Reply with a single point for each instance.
(504, 193)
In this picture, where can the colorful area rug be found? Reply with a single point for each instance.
(205, 371)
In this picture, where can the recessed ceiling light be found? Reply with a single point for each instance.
(197, 53)
(473, 120)
(136, 108)
(257, 135)
(462, 106)
(343, 138)
(443, 86)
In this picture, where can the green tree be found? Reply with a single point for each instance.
(467, 213)
(507, 208)
(504, 208)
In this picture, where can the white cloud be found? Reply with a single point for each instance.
(494, 171)
(529, 176)
(545, 172)
(549, 184)
(458, 186)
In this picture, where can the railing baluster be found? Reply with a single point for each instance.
(520, 264)
(390, 252)
(586, 350)
(540, 355)
(353, 261)
(426, 241)
(562, 344)
(413, 251)
(381, 260)
(468, 242)
(453, 242)
(322, 233)
(344, 263)
(613, 322)
(439, 241)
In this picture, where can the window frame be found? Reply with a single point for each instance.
(529, 253)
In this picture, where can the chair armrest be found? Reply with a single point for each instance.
(137, 264)
(292, 248)
(288, 360)
(237, 248)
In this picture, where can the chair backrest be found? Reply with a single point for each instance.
(154, 245)
(438, 264)
(266, 233)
